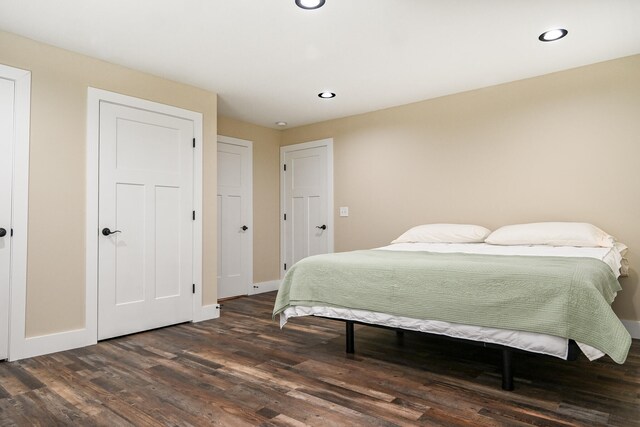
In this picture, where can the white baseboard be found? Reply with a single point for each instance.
(206, 312)
(258, 288)
(53, 343)
(633, 326)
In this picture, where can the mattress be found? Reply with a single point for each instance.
(528, 341)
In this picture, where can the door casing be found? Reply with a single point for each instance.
(95, 96)
(283, 203)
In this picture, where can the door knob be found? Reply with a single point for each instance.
(321, 227)
(3, 232)
(245, 228)
(107, 232)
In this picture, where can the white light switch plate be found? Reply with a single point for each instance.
(344, 211)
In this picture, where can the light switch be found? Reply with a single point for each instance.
(344, 211)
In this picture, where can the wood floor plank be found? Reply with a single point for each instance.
(243, 370)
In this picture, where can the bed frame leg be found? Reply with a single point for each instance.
(572, 354)
(349, 335)
(507, 369)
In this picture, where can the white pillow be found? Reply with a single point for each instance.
(552, 234)
(444, 233)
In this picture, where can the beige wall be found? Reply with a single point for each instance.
(561, 147)
(266, 194)
(56, 254)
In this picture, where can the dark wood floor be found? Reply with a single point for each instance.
(242, 369)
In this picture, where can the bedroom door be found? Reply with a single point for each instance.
(307, 201)
(235, 224)
(15, 108)
(6, 178)
(145, 262)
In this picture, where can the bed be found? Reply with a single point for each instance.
(509, 293)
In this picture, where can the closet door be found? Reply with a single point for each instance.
(7, 90)
(235, 226)
(145, 258)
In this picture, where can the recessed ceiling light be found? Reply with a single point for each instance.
(310, 4)
(327, 94)
(553, 35)
(281, 123)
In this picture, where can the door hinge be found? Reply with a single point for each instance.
(12, 232)
(285, 266)
(193, 215)
(285, 217)
(285, 167)
(194, 143)
(193, 289)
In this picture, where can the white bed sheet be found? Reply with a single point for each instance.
(533, 342)
(610, 256)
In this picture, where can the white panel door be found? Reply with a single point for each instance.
(145, 220)
(234, 219)
(306, 199)
(7, 90)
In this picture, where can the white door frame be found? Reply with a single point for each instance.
(95, 96)
(249, 145)
(283, 203)
(19, 208)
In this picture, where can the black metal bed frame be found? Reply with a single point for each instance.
(507, 352)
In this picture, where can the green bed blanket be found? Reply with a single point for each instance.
(566, 297)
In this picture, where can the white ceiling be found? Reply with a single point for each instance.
(268, 59)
